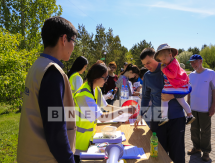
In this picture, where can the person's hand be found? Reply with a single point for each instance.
(139, 118)
(162, 66)
(138, 89)
(108, 97)
(167, 97)
(136, 94)
(211, 111)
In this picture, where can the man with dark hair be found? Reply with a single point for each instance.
(44, 135)
(56, 27)
(171, 134)
(147, 52)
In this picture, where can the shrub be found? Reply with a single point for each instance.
(183, 57)
(14, 65)
(208, 54)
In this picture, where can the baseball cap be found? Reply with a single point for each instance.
(195, 57)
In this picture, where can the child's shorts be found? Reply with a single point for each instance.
(169, 89)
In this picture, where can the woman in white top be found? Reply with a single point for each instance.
(78, 67)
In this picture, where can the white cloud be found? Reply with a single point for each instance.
(85, 8)
(161, 4)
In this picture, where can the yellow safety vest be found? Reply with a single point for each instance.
(85, 128)
(71, 79)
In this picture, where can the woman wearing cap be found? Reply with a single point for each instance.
(176, 81)
(78, 68)
(89, 101)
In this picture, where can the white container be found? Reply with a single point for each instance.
(122, 93)
(109, 131)
(126, 92)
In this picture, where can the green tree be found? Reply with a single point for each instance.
(27, 17)
(113, 46)
(106, 42)
(184, 57)
(208, 55)
(121, 58)
(204, 46)
(194, 50)
(14, 65)
(130, 58)
(93, 47)
(99, 43)
(180, 50)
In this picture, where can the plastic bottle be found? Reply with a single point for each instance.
(126, 92)
(122, 93)
(154, 145)
(110, 93)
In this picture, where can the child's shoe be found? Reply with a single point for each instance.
(163, 121)
(190, 119)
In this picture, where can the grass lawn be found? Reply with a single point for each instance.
(9, 129)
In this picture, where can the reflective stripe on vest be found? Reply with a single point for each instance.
(83, 130)
(82, 90)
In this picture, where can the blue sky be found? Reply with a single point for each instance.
(180, 23)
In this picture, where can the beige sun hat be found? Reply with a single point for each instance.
(165, 47)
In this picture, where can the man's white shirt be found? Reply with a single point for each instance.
(202, 86)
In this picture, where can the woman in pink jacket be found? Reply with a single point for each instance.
(175, 79)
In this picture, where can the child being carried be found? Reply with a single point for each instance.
(176, 81)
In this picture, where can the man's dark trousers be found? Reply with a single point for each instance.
(201, 131)
(171, 137)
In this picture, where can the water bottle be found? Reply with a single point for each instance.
(126, 96)
(122, 93)
(154, 145)
(110, 93)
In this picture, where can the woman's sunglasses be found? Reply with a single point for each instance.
(105, 79)
(113, 68)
